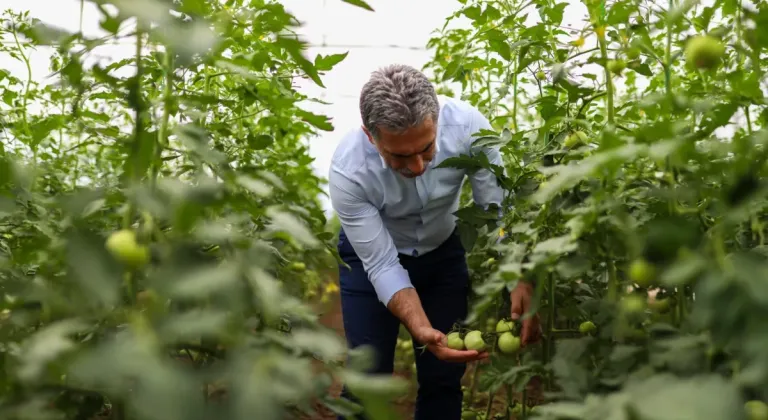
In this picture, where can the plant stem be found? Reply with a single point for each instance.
(488, 89)
(613, 281)
(507, 415)
(24, 100)
(162, 135)
(740, 61)
(668, 57)
(608, 84)
(680, 305)
(473, 383)
(524, 401)
(82, 8)
(550, 342)
(139, 122)
(491, 396)
(130, 286)
(514, 100)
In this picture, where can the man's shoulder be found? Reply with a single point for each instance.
(352, 152)
(455, 111)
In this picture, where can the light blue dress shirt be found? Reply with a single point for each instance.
(384, 213)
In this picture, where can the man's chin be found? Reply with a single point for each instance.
(411, 176)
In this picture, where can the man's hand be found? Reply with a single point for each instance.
(436, 343)
(520, 298)
(406, 305)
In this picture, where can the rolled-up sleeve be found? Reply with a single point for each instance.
(368, 236)
(485, 187)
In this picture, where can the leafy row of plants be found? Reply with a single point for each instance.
(162, 238)
(634, 149)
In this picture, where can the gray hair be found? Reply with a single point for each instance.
(396, 98)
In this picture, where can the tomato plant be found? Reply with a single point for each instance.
(162, 240)
(645, 235)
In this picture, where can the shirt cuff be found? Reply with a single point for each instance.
(391, 281)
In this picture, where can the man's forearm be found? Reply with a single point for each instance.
(406, 306)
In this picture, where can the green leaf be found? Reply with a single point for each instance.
(193, 325)
(287, 222)
(640, 68)
(295, 49)
(359, 3)
(260, 141)
(323, 344)
(469, 163)
(375, 392)
(47, 345)
(557, 245)
(254, 185)
(203, 281)
(194, 7)
(468, 236)
(319, 121)
(93, 269)
(575, 172)
(664, 397)
(719, 116)
(325, 63)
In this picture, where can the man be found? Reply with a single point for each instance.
(398, 233)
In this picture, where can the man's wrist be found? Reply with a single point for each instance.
(406, 306)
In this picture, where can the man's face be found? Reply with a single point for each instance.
(409, 152)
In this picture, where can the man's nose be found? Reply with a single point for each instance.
(416, 165)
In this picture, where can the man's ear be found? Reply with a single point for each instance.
(368, 133)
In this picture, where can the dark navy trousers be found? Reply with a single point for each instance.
(441, 279)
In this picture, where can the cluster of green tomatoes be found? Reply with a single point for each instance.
(404, 355)
(506, 341)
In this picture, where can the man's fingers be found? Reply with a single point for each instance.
(460, 356)
(525, 334)
(517, 306)
(531, 331)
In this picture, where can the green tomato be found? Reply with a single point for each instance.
(616, 66)
(297, 266)
(454, 341)
(704, 52)
(587, 327)
(756, 410)
(505, 325)
(124, 247)
(474, 340)
(633, 305)
(405, 345)
(576, 138)
(633, 53)
(147, 298)
(642, 272)
(541, 75)
(468, 415)
(660, 305)
(508, 343)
